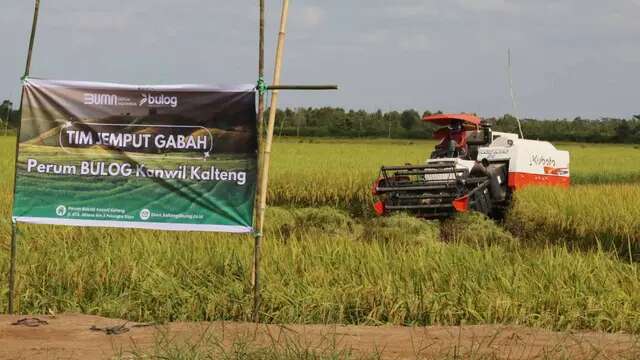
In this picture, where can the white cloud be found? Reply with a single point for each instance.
(487, 5)
(416, 42)
(312, 16)
(461, 40)
(374, 37)
(404, 11)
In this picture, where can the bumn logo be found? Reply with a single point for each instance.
(159, 100)
(100, 99)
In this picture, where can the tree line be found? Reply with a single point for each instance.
(9, 117)
(408, 124)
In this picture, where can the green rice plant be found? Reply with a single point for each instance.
(603, 163)
(476, 229)
(325, 219)
(318, 277)
(323, 265)
(582, 216)
(401, 228)
(339, 173)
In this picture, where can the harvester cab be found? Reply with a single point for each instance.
(471, 169)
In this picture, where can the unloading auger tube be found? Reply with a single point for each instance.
(471, 169)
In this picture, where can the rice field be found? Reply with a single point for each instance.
(327, 261)
(586, 216)
(341, 172)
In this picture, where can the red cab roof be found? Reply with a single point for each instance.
(445, 119)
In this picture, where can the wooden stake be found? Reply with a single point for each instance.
(14, 229)
(266, 160)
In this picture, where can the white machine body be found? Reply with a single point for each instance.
(531, 162)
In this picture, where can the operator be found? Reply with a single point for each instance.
(453, 140)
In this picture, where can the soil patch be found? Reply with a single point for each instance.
(73, 336)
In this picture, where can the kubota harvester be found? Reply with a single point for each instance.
(472, 168)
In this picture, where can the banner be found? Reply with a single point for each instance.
(178, 157)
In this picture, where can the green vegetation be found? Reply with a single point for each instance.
(583, 217)
(310, 276)
(337, 122)
(341, 172)
(323, 265)
(8, 117)
(603, 163)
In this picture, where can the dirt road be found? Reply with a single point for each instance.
(70, 337)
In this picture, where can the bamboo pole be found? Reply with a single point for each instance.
(32, 38)
(261, 94)
(12, 268)
(266, 160)
(258, 236)
(14, 225)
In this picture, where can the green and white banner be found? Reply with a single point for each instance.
(180, 157)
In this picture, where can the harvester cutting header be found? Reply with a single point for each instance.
(471, 168)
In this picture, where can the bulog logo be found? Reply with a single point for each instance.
(159, 100)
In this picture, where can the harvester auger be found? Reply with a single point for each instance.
(471, 169)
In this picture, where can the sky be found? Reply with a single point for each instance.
(570, 57)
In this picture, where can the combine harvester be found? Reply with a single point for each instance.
(472, 168)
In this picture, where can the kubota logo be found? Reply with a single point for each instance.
(159, 100)
(538, 160)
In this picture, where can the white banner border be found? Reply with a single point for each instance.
(135, 225)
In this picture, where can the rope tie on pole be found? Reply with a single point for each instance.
(261, 86)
